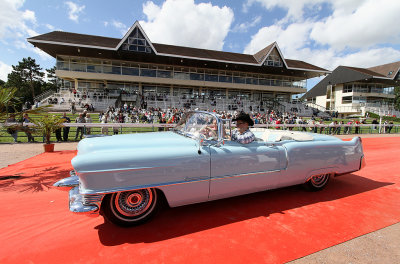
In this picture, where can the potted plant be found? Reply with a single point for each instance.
(46, 125)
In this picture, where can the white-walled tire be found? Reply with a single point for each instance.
(130, 208)
(317, 182)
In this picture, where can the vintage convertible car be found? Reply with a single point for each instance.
(124, 177)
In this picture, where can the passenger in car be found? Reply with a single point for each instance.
(242, 133)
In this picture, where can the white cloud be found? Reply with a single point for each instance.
(4, 71)
(13, 20)
(50, 27)
(121, 27)
(243, 27)
(353, 33)
(74, 10)
(29, 15)
(43, 55)
(295, 8)
(370, 23)
(182, 22)
(295, 36)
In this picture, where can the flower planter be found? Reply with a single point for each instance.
(48, 147)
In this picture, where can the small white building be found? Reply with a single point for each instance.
(351, 90)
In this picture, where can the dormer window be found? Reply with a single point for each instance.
(136, 42)
(274, 61)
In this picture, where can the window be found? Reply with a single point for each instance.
(164, 74)
(130, 71)
(250, 80)
(211, 78)
(136, 42)
(346, 100)
(273, 61)
(224, 78)
(148, 72)
(196, 76)
(348, 88)
(237, 79)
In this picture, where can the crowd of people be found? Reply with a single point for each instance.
(130, 114)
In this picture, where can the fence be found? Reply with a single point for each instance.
(128, 128)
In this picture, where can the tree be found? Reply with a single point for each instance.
(27, 75)
(51, 79)
(397, 98)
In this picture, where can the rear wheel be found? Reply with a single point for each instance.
(131, 207)
(317, 182)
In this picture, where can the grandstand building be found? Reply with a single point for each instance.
(106, 71)
(353, 91)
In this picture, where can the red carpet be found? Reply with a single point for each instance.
(267, 227)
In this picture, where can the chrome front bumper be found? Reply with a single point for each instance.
(80, 203)
(84, 204)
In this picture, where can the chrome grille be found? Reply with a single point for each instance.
(89, 199)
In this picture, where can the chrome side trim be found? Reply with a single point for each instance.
(184, 181)
(137, 187)
(123, 169)
(243, 175)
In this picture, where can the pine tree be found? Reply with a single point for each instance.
(26, 75)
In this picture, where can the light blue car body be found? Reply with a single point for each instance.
(189, 170)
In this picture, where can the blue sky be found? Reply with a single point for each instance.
(327, 33)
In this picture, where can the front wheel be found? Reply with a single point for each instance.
(130, 208)
(317, 182)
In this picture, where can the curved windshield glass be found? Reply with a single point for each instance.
(198, 125)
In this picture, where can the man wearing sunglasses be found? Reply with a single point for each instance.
(242, 134)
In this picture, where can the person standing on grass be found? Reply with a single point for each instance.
(88, 119)
(66, 129)
(58, 132)
(104, 120)
(79, 130)
(12, 131)
(27, 132)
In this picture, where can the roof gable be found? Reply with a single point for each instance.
(270, 53)
(136, 40)
(262, 54)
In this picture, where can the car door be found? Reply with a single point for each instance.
(244, 168)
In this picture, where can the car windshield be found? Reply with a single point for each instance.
(198, 125)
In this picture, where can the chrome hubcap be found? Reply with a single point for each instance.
(133, 203)
(319, 180)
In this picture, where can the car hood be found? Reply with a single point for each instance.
(133, 141)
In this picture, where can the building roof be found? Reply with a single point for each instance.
(346, 74)
(389, 70)
(262, 54)
(64, 43)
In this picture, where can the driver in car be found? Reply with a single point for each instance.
(242, 133)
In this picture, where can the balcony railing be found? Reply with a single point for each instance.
(193, 76)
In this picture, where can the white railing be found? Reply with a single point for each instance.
(43, 96)
(369, 127)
